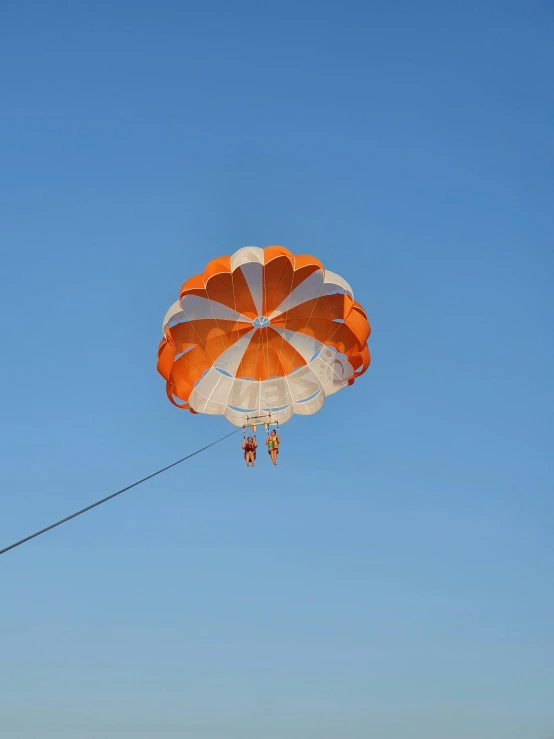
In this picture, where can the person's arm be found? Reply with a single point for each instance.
(278, 440)
(255, 443)
(244, 443)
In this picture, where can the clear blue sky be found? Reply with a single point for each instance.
(392, 578)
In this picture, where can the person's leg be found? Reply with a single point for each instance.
(274, 456)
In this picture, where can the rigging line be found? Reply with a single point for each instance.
(311, 312)
(258, 372)
(200, 342)
(338, 326)
(256, 336)
(266, 330)
(258, 368)
(239, 336)
(337, 292)
(266, 312)
(232, 344)
(213, 314)
(281, 367)
(235, 303)
(113, 495)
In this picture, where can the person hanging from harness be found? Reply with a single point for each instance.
(273, 442)
(249, 446)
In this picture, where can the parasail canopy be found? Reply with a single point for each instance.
(262, 331)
